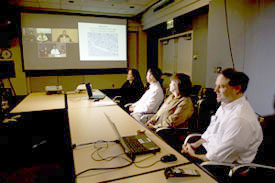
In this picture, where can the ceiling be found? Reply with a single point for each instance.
(125, 8)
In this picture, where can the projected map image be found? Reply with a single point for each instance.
(102, 44)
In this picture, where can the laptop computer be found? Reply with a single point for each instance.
(135, 144)
(90, 93)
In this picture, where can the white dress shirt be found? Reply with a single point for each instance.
(234, 133)
(150, 100)
(55, 51)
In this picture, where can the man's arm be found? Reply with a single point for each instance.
(152, 101)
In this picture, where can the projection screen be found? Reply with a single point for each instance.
(60, 42)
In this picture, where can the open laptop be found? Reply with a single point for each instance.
(90, 93)
(135, 144)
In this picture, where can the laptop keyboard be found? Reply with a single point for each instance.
(134, 144)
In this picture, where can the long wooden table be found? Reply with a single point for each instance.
(40, 102)
(87, 124)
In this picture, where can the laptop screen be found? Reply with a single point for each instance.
(117, 133)
(89, 90)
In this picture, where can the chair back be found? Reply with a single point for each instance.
(206, 107)
(265, 154)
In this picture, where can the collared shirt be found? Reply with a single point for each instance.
(174, 112)
(151, 99)
(234, 133)
(55, 51)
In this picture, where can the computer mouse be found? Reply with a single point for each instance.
(140, 131)
(168, 158)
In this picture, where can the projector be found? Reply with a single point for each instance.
(53, 89)
(80, 88)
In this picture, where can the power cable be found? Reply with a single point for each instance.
(228, 36)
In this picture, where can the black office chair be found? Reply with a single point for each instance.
(207, 106)
(204, 108)
(175, 136)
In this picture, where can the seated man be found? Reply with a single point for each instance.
(177, 108)
(234, 133)
(151, 99)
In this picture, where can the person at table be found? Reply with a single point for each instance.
(132, 89)
(42, 37)
(151, 99)
(178, 108)
(64, 37)
(234, 133)
(55, 51)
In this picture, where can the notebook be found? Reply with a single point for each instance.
(90, 93)
(135, 144)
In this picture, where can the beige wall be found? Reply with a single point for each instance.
(251, 27)
(137, 46)
(200, 37)
(218, 47)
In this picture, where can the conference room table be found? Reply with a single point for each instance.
(40, 102)
(89, 125)
(93, 140)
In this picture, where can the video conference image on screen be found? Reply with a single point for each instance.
(57, 42)
(50, 42)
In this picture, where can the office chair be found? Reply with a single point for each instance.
(204, 108)
(174, 136)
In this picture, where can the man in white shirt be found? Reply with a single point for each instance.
(234, 133)
(55, 51)
(151, 99)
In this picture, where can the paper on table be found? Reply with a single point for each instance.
(104, 103)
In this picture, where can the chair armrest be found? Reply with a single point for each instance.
(214, 163)
(235, 167)
(191, 136)
(172, 131)
(116, 99)
(127, 105)
(146, 117)
(249, 165)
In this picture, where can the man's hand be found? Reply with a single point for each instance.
(131, 108)
(188, 149)
(150, 126)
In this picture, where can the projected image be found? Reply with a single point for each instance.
(29, 34)
(37, 35)
(65, 35)
(43, 35)
(52, 42)
(49, 50)
(102, 44)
